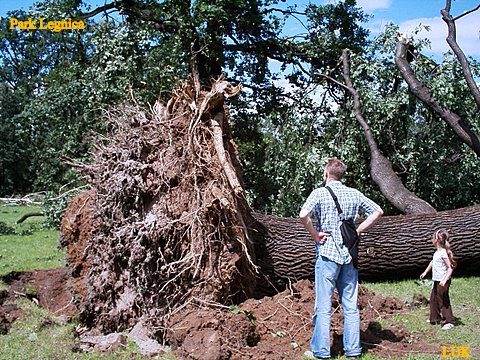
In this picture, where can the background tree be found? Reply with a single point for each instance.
(55, 85)
(142, 52)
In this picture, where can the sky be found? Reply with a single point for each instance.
(408, 14)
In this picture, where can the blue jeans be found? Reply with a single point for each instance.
(329, 275)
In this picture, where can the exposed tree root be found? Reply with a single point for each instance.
(167, 214)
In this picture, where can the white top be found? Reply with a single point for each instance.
(439, 267)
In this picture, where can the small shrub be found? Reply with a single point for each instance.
(55, 204)
(6, 229)
(234, 309)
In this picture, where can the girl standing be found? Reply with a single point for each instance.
(442, 267)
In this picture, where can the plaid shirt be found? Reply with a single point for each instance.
(320, 204)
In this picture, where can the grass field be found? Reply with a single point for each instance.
(466, 308)
(31, 247)
(41, 335)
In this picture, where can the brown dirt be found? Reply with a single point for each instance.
(48, 287)
(76, 228)
(8, 313)
(283, 326)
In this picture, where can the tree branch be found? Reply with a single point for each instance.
(332, 80)
(380, 167)
(26, 216)
(99, 10)
(422, 92)
(466, 13)
(129, 9)
(356, 103)
(284, 12)
(452, 42)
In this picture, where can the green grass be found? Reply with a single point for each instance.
(465, 305)
(28, 252)
(462, 289)
(40, 335)
(403, 290)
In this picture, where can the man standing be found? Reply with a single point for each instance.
(333, 263)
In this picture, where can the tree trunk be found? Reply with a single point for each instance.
(395, 247)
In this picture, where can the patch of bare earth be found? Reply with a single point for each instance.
(47, 288)
(8, 313)
(282, 328)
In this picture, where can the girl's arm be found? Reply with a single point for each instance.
(427, 270)
(448, 275)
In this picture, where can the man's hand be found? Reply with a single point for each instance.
(443, 283)
(422, 275)
(369, 221)
(321, 237)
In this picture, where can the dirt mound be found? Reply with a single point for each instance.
(280, 327)
(8, 313)
(48, 288)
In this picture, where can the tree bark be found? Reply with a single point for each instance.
(452, 42)
(395, 247)
(380, 167)
(422, 92)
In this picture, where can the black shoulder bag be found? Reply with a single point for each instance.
(349, 232)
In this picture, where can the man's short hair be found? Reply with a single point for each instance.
(335, 168)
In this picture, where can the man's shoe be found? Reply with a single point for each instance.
(309, 355)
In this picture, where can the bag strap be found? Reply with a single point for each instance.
(335, 199)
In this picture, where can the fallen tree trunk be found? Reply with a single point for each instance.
(395, 247)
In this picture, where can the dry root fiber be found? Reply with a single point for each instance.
(164, 223)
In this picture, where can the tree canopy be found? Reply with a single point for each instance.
(55, 85)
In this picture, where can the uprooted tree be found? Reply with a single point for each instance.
(166, 223)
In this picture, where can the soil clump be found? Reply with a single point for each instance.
(280, 327)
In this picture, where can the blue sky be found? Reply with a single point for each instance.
(406, 13)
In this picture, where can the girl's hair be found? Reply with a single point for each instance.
(441, 239)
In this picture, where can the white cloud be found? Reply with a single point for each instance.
(372, 5)
(377, 26)
(367, 5)
(468, 33)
